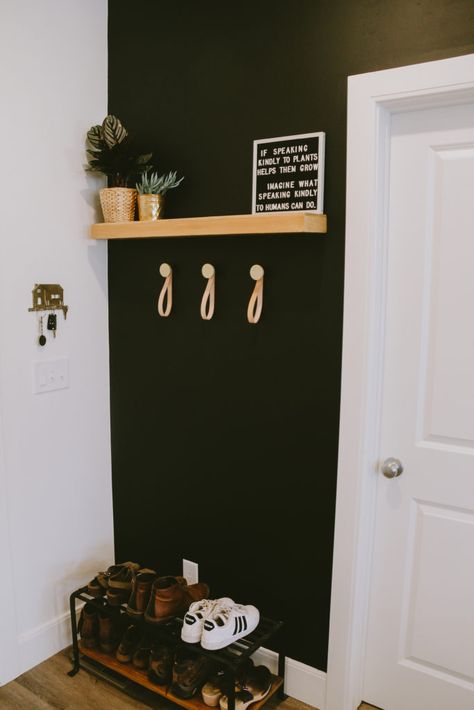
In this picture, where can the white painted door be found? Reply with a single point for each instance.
(420, 644)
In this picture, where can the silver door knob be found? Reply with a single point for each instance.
(391, 468)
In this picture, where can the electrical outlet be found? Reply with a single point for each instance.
(50, 375)
(191, 571)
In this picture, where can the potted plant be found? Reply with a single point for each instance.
(110, 151)
(151, 192)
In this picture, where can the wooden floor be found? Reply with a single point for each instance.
(49, 686)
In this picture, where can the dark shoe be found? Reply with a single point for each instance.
(120, 582)
(161, 663)
(97, 587)
(88, 626)
(128, 644)
(110, 629)
(171, 596)
(141, 657)
(213, 689)
(189, 675)
(142, 582)
(254, 686)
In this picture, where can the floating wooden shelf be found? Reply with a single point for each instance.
(127, 670)
(283, 223)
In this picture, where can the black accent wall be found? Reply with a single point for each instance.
(225, 434)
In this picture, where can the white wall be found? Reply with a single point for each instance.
(55, 472)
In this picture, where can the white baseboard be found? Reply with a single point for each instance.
(302, 682)
(44, 641)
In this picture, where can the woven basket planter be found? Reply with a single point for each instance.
(118, 204)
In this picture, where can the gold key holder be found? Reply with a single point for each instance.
(48, 297)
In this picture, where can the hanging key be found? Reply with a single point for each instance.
(41, 337)
(52, 323)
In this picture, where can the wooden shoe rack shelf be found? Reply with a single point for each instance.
(230, 658)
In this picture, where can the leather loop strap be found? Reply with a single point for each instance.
(166, 291)
(254, 310)
(208, 299)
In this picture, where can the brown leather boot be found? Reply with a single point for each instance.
(110, 630)
(141, 588)
(89, 626)
(129, 643)
(119, 584)
(189, 675)
(170, 597)
(162, 656)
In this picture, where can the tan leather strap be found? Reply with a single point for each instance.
(254, 310)
(166, 291)
(208, 299)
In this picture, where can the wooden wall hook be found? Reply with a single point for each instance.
(254, 310)
(166, 292)
(208, 298)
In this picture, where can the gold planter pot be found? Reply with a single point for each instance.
(118, 203)
(150, 207)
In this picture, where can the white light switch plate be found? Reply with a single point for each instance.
(49, 375)
(191, 571)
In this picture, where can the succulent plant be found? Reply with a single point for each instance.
(110, 151)
(154, 185)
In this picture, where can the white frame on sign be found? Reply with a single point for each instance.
(321, 158)
(373, 98)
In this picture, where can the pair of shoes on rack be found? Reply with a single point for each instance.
(254, 685)
(142, 585)
(217, 623)
(162, 656)
(139, 596)
(171, 597)
(135, 646)
(100, 626)
(190, 673)
(115, 583)
(120, 580)
(184, 671)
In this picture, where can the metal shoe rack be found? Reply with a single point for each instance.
(229, 658)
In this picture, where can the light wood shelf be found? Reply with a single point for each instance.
(127, 670)
(283, 223)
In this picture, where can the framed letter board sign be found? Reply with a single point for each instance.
(288, 174)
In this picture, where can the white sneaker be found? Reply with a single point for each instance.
(197, 614)
(228, 624)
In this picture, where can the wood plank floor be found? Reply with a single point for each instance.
(48, 686)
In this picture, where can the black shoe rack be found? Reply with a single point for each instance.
(230, 658)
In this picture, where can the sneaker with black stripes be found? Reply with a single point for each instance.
(197, 614)
(228, 624)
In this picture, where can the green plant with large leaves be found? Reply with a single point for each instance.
(110, 151)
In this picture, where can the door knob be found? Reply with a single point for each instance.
(391, 468)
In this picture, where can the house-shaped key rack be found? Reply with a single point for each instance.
(48, 297)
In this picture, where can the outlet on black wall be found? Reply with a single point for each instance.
(224, 434)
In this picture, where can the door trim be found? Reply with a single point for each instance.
(372, 99)
(9, 647)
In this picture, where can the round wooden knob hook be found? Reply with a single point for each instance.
(208, 298)
(166, 292)
(257, 272)
(254, 310)
(165, 270)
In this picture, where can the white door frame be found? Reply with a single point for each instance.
(372, 99)
(9, 648)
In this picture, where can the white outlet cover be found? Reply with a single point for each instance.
(50, 375)
(191, 571)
